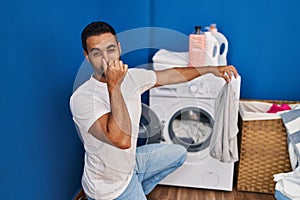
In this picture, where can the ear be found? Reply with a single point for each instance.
(86, 56)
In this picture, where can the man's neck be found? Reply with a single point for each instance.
(99, 77)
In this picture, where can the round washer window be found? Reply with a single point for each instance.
(192, 128)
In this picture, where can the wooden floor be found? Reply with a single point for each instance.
(181, 193)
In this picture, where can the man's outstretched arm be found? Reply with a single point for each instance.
(184, 74)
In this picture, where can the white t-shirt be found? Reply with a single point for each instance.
(108, 169)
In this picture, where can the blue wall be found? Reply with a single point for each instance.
(263, 39)
(41, 155)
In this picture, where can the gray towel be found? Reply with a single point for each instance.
(223, 144)
(291, 120)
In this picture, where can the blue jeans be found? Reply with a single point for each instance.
(280, 196)
(153, 163)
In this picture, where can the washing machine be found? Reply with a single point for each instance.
(184, 114)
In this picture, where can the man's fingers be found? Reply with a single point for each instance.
(105, 65)
(226, 77)
(227, 72)
(115, 65)
(120, 63)
(125, 67)
(234, 71)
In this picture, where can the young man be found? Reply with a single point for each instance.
(107, 109)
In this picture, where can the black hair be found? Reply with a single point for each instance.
(95, 28)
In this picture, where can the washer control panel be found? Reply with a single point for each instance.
(207, 86)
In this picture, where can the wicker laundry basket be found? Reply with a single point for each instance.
(263, 153)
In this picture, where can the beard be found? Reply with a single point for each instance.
(98, 70)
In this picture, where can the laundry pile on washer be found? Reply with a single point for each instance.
(165, 59)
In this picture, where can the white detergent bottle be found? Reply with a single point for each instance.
(223, 42)
(197, 48)
(212, 49)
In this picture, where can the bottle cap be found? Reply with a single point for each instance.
(213, 25)
(206, 29)
(213, 28)
(197, 29)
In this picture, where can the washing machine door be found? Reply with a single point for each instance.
(150, 128)
(191, 127)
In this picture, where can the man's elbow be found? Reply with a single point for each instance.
(119, 139)
(122, 142)
(123, 145)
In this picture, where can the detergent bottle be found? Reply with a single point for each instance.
(223, 43)
(212, 49)
(197, 48)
